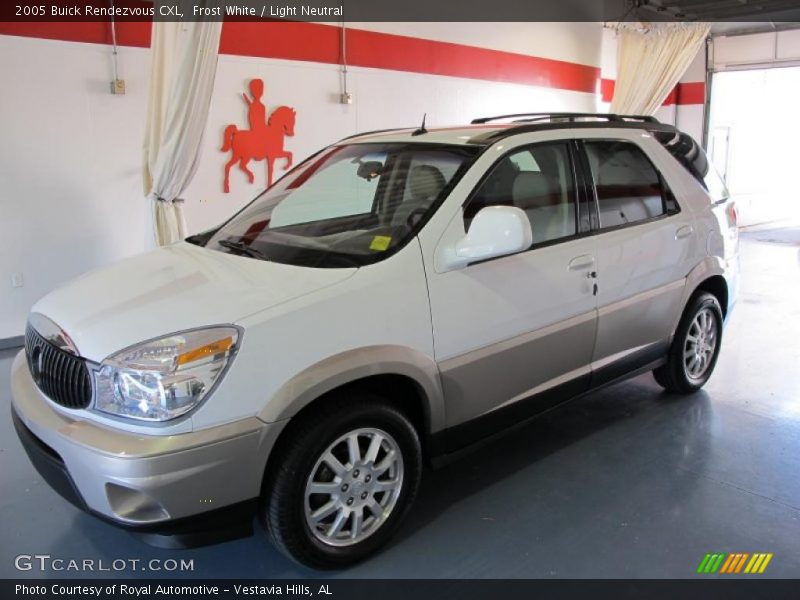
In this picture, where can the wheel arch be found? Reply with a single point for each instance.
(717, 287)
(709, 276)
(409, 379)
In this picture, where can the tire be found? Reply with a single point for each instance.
(289, 506)
(702, 320)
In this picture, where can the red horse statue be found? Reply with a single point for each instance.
(262, 140)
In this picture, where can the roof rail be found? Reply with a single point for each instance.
(493, 135)
(373, 132)
(567, 116)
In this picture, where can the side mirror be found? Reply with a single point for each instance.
(495, 231)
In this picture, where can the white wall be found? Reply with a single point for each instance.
(608, 54)
(689, 117)
(71, 183)
(71, 158)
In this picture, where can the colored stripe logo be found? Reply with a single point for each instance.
(737, 562)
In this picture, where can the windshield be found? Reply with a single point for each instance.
(347, 206)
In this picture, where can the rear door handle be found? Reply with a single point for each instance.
(683, 232)
(584, 261)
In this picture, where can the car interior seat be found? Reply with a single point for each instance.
(538, 195)
(425, 183)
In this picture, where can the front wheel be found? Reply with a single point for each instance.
(695, 348)
(342, 482)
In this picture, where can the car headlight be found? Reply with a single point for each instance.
(162, 379)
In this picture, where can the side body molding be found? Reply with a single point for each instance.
(352, 365)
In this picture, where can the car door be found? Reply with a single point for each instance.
(514, 335)
(643, 253)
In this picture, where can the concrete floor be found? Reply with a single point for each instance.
(628, 482)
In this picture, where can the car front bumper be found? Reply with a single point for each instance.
(149, 483)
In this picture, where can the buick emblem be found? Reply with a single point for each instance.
(36, 363)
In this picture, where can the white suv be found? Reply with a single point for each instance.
(395, 298)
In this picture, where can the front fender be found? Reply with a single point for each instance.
(352, 365)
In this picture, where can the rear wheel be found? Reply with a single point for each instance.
(343, 481)
(695, 348)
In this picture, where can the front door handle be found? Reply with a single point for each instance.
(584, 261)
(683, 232)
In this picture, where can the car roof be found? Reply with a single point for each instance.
(484, 131)
(457, 135)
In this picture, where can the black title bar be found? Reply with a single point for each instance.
(398, 10)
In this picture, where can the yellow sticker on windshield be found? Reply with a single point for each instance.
(380, 242)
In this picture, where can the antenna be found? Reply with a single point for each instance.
(421, 129)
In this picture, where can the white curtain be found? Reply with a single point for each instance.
(182, 75)
(650, 63)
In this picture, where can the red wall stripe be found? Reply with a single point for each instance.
(129, 33)
(371, 49)
(288, 40)
(321, 43)
(693, 92)
(607, 89)
(671, 97)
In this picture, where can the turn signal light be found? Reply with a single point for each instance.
(203, 351)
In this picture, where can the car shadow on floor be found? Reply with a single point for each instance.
(634, 414)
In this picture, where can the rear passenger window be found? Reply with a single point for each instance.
(538, 180)
(628, 186)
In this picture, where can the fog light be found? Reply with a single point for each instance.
(133, 505)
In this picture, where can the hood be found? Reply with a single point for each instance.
(172, 289)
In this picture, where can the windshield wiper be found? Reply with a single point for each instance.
(242, 248)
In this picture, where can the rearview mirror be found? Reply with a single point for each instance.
(495, 231)
(369, 170)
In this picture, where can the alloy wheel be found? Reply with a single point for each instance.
(353, 487)
(700, 344)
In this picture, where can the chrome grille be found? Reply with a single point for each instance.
(62, 377)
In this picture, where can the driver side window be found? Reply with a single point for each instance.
(537, 179)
